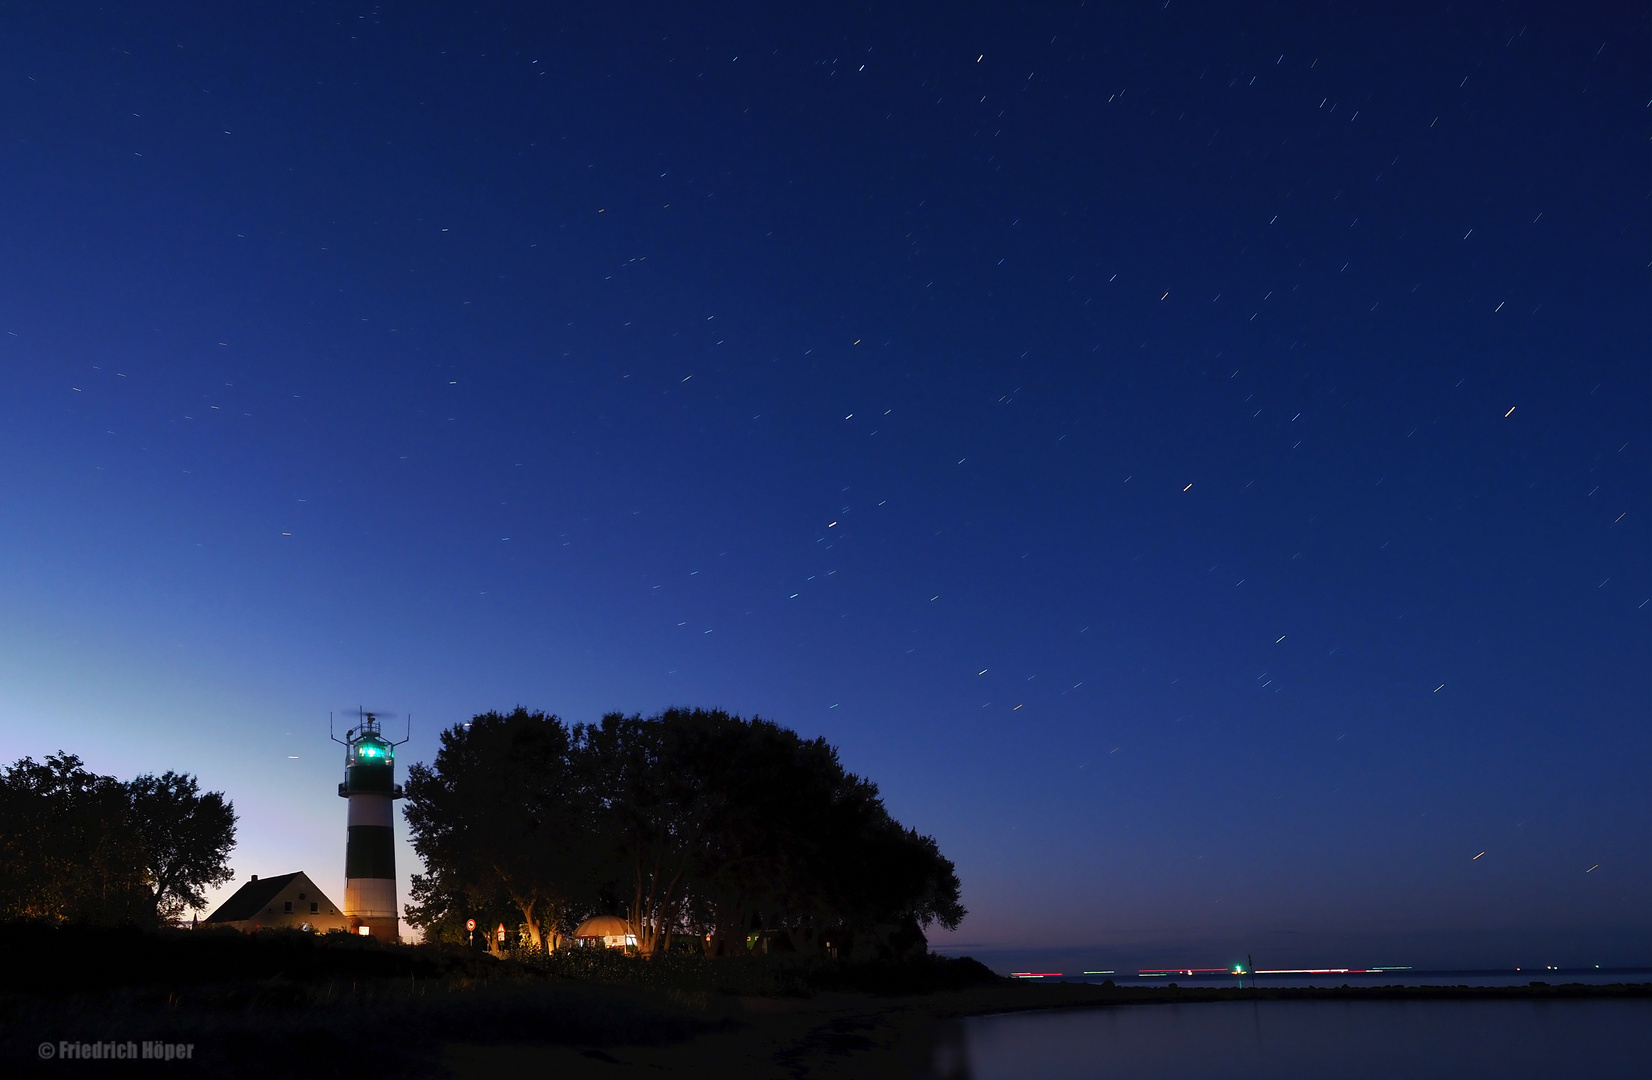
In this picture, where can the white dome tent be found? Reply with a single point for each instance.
(605, 931)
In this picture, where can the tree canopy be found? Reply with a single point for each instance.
(496, 821)
(76, 846)
(186, 837)
(738, 833)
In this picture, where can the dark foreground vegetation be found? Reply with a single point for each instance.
(288, 1003)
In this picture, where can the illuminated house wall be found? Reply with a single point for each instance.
(285, 902)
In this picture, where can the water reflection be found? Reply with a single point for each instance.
(1286, 1040)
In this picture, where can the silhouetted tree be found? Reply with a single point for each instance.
(186, 838)
(498, 815)
(68, 849)
(661, 787)
(761, 867)
(695, 820)
(887, 879)
(731, 826)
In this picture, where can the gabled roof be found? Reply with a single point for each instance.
(251, 899)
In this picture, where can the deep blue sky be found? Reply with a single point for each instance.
(1094, 419)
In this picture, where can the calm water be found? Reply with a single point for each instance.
(1285, 1040)
(1516, 977)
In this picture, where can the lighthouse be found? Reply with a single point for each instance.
(370, 853)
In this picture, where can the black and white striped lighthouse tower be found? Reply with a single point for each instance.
(370, 854)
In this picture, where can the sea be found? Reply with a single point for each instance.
(1517, 1039)
(1323, 977)
(1514, 1039)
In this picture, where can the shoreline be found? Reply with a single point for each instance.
(846, 1036)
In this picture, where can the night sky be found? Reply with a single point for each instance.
(1193, 457)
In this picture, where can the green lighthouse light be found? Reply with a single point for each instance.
(370, 751)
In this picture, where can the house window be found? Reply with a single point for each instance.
(287, 907)
(314, 907)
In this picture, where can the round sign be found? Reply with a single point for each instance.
(470, 924)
